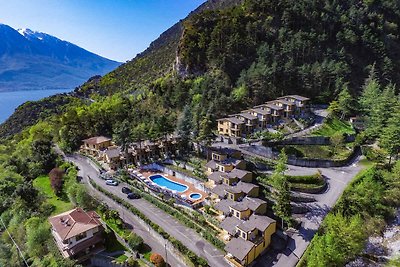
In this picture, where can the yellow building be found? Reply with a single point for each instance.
(254, 236)
(231, 126)
(261, 116)
(96, 144)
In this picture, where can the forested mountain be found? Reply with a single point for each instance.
(230, 54)
(32, 60)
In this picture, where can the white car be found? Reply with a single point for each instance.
(111, 182)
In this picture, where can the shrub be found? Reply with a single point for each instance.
(157, 260)
(56, 180)
(135, 242)
(131, 262)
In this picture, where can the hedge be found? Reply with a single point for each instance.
(200, 226)
(197, 261)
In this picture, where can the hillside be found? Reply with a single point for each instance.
(32, 60)
(230, 54)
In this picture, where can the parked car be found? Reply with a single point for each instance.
(111, 182)
(126, 190)
(133, 196)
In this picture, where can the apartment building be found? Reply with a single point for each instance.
(261, 116)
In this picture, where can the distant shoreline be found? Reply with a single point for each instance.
(10, 100)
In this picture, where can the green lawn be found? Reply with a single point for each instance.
(334, 125)
(318, 152)
(61, 204)
(121, 259)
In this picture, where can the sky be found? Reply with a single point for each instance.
(115, 29)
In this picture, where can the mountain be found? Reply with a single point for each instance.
(231, 54)
(32, 60)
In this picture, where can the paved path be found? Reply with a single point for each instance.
(172, 226)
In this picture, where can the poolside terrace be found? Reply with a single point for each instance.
(145, 176)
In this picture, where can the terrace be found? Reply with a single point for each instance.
(172, 186)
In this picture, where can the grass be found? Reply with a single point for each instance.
(121, 258)
(61, 204)
(147, 255)
(318, 151)
(334, 125)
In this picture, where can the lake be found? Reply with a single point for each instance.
(9, 101)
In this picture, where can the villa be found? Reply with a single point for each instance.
(103, 149)
(262, 116)
(78, 234)
(95, 145)
(242, 214)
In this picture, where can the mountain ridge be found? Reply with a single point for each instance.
(31, 60)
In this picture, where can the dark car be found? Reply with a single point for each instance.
(126, 190)
(133, 196)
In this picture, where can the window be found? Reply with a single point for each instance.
(238, 214)
(81, 236)
(244, 235)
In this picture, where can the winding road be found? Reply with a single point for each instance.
(187, 236)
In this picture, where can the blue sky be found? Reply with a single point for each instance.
(116, 29)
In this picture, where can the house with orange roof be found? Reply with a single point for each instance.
(77, 233)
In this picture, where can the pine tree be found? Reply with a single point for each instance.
(282, 207)
(345, 102)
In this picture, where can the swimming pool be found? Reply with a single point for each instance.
(195, 196)
(165, 182)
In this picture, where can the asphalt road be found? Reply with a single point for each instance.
(187, 236)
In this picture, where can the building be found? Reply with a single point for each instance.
(103, 149)
(231, 126)
(242, 213)
(77, 233)
(262, 116)
(96, 144)
(251, 238)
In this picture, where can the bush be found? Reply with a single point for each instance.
(131, 262)
(135, 242)
(157, 260)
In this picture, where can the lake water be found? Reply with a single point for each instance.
(9, 101)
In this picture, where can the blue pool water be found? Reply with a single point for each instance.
(171, 185)
(195, 196)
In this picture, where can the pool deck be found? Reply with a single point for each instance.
(191, 188)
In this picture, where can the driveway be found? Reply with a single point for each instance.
(187, 236)
(338, 178)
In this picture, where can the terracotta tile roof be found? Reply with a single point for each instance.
(97, 140)
(74, 222)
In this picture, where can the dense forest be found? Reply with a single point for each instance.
(222, 58)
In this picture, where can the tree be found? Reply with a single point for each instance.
(43, 154)
(281, 193)
(337, 140)
(390, 137)
(123, 135)
(56, 180)
(184, 126)
(345, 102)
(135, 241)
(370, 93)
(341, 240)
(37, 234)
(157, 260)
